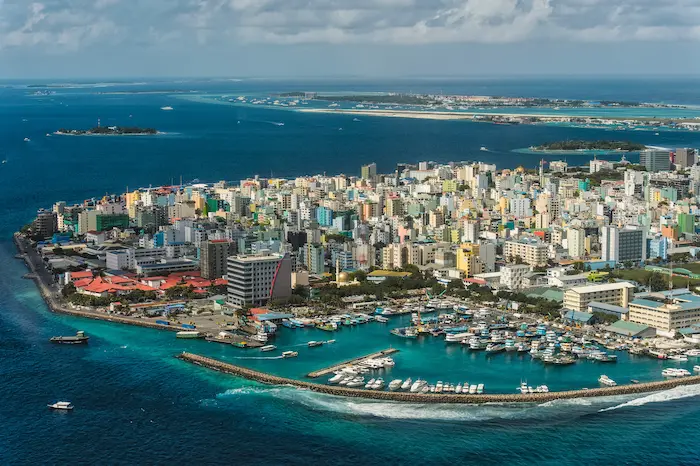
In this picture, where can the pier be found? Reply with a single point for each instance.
(262, 377)
(337, 367)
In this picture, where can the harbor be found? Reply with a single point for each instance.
(343, 365)
(262, 377)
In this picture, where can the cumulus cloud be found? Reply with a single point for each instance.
(70, 24)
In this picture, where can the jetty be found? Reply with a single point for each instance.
(262, 377)
(337, 367)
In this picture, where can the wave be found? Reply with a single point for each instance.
(677, 393)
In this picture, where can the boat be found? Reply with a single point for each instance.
(369, 384)
(696, 368)
(78, 339)
(480, 388)
(678, 357)
(189, 334)
(408, 332)
(456, 337)
(347, 379)
(290, 354)
(378, 384)
(671, 372)
(693, 353)
(495, 347)
(483, 149)
(313, 344)
(166, 108)
(395, 384)
(4, 161)
(356, 382)
(381, 319)
(472, 389)
(27, 139)
(406, 385)
(340, 375)
(418, 385)
(61, 406)
(330, 342)
(542, 389)
(425, 389)
(458, 388)
(268, 348)
(607, 381)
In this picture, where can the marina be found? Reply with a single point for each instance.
(343, 365)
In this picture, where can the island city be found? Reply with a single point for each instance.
(590, 270)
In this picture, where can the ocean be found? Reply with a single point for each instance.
(135, 403)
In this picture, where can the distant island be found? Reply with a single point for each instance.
(109, 131)
(622, 146)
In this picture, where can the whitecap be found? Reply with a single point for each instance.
(676, 393)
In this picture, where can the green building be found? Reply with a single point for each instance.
(686, 223)
(109, 221)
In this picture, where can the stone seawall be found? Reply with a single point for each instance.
(30, 257)
(431, 397)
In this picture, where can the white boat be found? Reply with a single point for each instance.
(425, 389)
(542, 389)
(458, 388)
(457, 337)
(61, 405)
(347, 380)
(418, 385)
(166, 108)
(337, 377)
(406, 385)
(330, 342)
(678, 357)
(313, 344)
(395, 384)
(290, 354)
(27, 139)
(381, 319)
(693, 353)
(483, 149)
(495, 347)
(472, 389)
(370, 383)
(671, 372)
(268, 348)
(356, 382)
(480, 388)
(607, 381)
(378, 384)
(438, 387)
(432, 389)
(696, 368)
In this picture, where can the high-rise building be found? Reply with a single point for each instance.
(622, 245)
(469, 259)
(313, 256)
(655, 160)
(46, 223)
(575, 238)
(213, 257)
(254, 280)
(531, 252)
(368, 172)
(685, 157)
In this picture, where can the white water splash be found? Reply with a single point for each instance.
(660, 397)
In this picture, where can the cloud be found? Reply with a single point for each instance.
(67, 25)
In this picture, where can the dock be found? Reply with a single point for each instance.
(262, 377)
(237, 341)
(337, 367)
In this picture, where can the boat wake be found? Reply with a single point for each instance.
(677, 393)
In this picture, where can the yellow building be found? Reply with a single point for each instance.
(468, 260)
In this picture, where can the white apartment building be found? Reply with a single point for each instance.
(531, 252)
(618, 294)
(512, 276)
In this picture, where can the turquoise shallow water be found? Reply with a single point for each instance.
(137, 404)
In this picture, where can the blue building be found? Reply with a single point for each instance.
(657, 247)
(324, 216)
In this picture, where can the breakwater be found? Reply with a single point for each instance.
(335, 367)
(262, 377)
(42, 279)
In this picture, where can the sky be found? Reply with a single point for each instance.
(372, 38)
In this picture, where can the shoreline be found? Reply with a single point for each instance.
(56, 307)
(450, 398)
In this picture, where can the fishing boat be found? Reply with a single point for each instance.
(268, 348)
(290, 354)
(607, 381)
(189, 334)
(79, 339)
(61, 406)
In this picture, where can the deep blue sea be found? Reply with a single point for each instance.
(136, 404)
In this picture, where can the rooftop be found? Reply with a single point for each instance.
(601, 287)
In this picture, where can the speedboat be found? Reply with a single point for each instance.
(418, 385)
(356, 382)
(605, 380)
(480, 388)
(378, 384)
(458, 388)
(337, 377)
(268, 348)
(370, 383)
(313, 344)
(290, 354)
(472, 389)
(395, 384)
(61, 406)
(694, 353)
(406, 384)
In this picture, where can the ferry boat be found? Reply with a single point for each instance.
(607, 381)
(79, 339)
(189, 334)
(268, 348)
(290, 354)
(61, 406)
(313, 344)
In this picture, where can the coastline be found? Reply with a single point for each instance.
(52, 303)
(450, 398)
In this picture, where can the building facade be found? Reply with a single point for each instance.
(578, 298)
(254, 280)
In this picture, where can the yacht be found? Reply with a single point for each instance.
(395, 384)
(406, 385)
(166, 108)
(267, 348)
(472, 389)
(357, 382)
(61, 405)
(370, 383)
(27, 139)
(458, 388)
(495, 347)
(483, 149)
(347, 380)
(696, 368)
(425, 389)
(337, 377)
(381, 319)
(418, 385)
(378, 384)
(290, 354)
(542, 389)
(605, 380)
(456, 337)
(678, 357)
(480, 388)
(438, 387)
(693, 353)
(670, 372)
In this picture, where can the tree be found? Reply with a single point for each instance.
(68, 290)
(657, 282)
